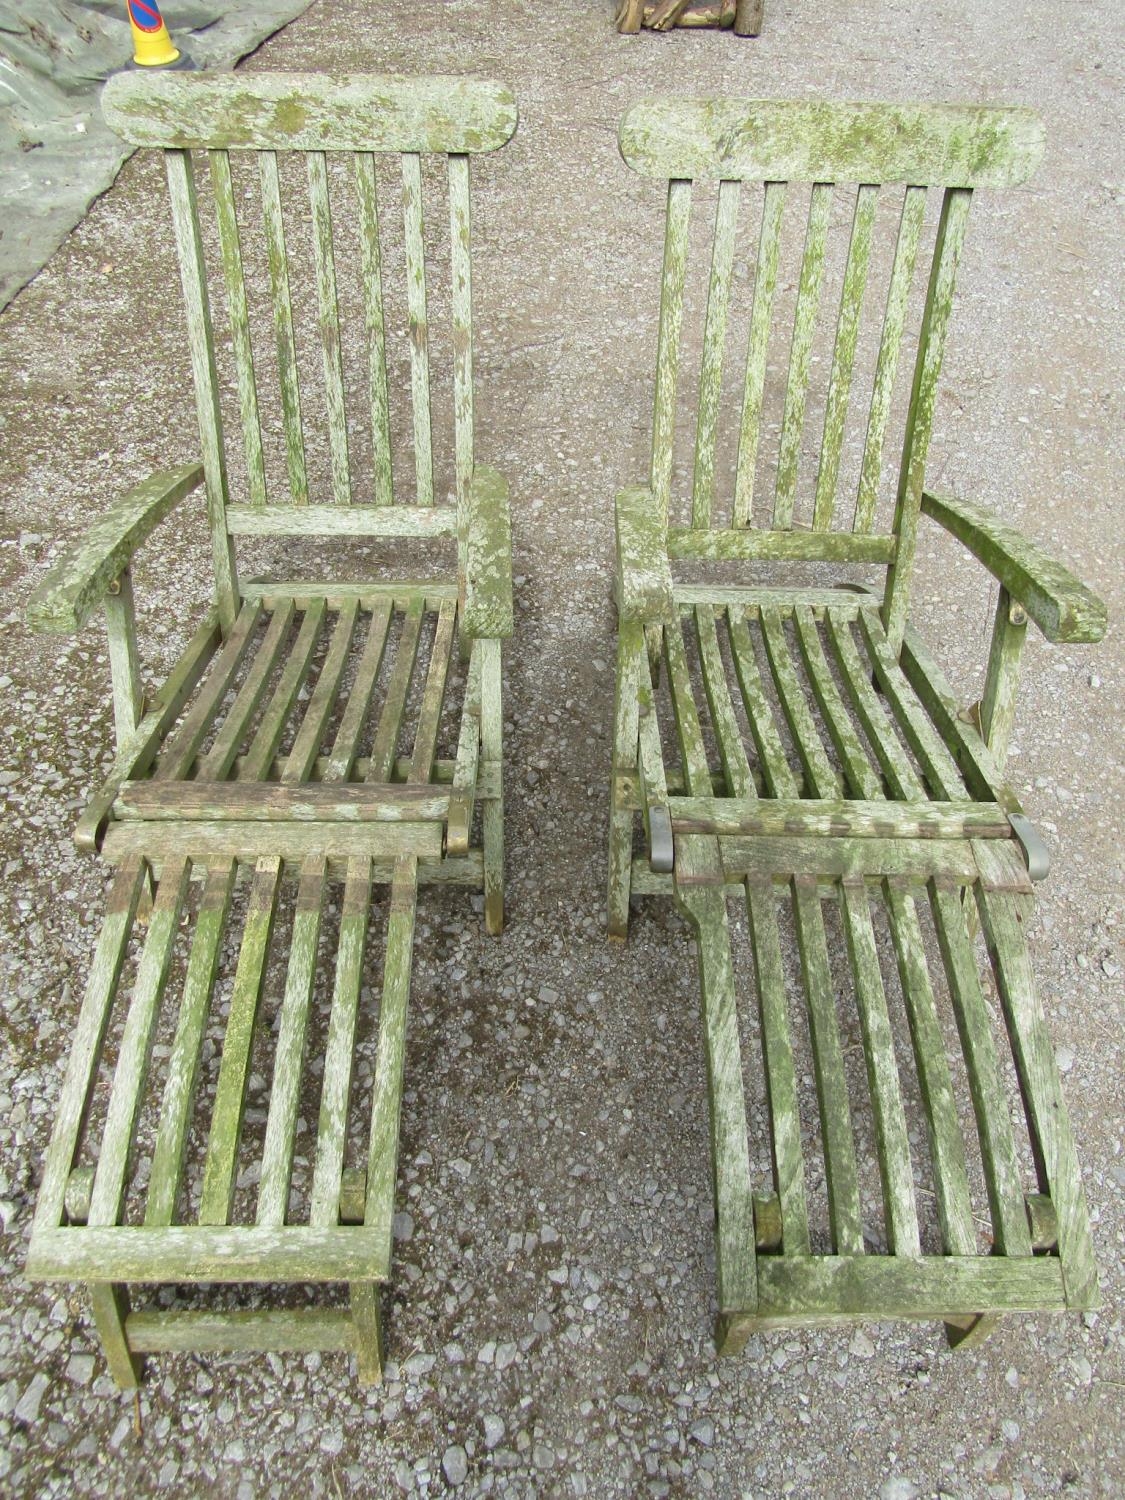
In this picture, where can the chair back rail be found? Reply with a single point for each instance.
(867, 154)
(289, 343)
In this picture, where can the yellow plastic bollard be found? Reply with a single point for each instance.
(152, 46)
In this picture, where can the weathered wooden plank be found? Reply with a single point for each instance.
(492, 762)
(886, 365)
(1002, 675)
(79, 579)
(329, 320)
(843, 356)
(765, 282)
(433, 695)
(487, 607)
(821, 775)
(193, 278)
(644, 578)
(261, 1329)
(305, 802)
(336, 595)
(720, 545)
(804, 326)
(386, 1103)
(385, 743)
(835, 818)
(110, 1307)
(780, 1073)
(736, 767)
(714, 342)
(697, 770)
(346, 743)
(257, 840)
(849, 748)
(419, 329)
(288, 378)
(668, 347)
(954, 145)
(947, 1148)
(994, 1126)
(892, 1144)
(124, 663)
(231, 249)
(1003, 928)
(215, 764)
(831, 1085)
(339, 1051)
(896, 765)
(626, 720)
(459, 238)
(183, 1063)
(842, 858)
(310, 112)
(751, 596)
(372, 268)
(86, 1044)
(259, 757)
(734, 1200)
(653, 786)
(281, 1121)
(303, 756)
(779, 778)
(463, 791)
(920, 416)
(135, 1047)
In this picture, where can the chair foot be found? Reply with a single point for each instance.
(732, 1330)
(368, 1319)
(110, 1304)
(968, 1332)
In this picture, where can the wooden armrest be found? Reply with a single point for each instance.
(1063, 608)
(76, 583)
(486, 607)
(644, 575)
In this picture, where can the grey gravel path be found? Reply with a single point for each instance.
(550, 1323)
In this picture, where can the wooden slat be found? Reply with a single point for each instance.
(293, 842)
(994, 1126)
(346, 743)
(697, 770)
(779, 778)
(947, 1148)
(371, 262)
(843, 356)
(386, 1103)
(267, 736)
(288, 381)
(385, 743)
(831, 1085)
(1003, 927)
(714, 342)
(218, 760)
(862, 780)
(632, 665)
(339, 1050)
(124, 661)
(265, 1330)
(896, 765)
(303, 755)
(781, 857)
(464, 783)
(183, 1063)
(266, 801)
(734, 545)
(756, 350)
(433, 695)
(329, 320)
(335, 594)
(668, 348)
(780, 1072)
(86, 1043)
(919, 420)
(221, 1156)
(736, 767)
(804, 326)
(492, 763)
(835, 818)
(892, 1143)
(419, 332)
(240, 325)
(193, 276)
(135, 1048)
(459, 238)
(281, 1122)
(890, 343)
(821, 776)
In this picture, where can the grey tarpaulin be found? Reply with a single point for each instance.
(56, 155)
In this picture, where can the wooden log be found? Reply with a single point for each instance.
(748, 17)
(629, 15)
(666, 14)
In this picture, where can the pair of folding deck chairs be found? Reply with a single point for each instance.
(787, 742)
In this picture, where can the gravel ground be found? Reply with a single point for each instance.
(551, 1314)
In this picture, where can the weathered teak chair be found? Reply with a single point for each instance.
(797, 745)
(289, 767)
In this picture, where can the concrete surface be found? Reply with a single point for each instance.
(550, 1321)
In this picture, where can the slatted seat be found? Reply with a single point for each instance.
(882, 1147)
(320, 750)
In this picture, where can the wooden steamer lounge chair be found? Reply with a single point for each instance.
(794, 745)
(288, 768)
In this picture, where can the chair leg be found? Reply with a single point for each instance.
(492, 812)
(630, 649)
(110, 1304)
(367, 1316)
(967, 1333)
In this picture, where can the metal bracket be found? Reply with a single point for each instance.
(1035, 852)
(661, 844)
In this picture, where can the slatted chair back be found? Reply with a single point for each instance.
(317, 116)
(873, 153)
